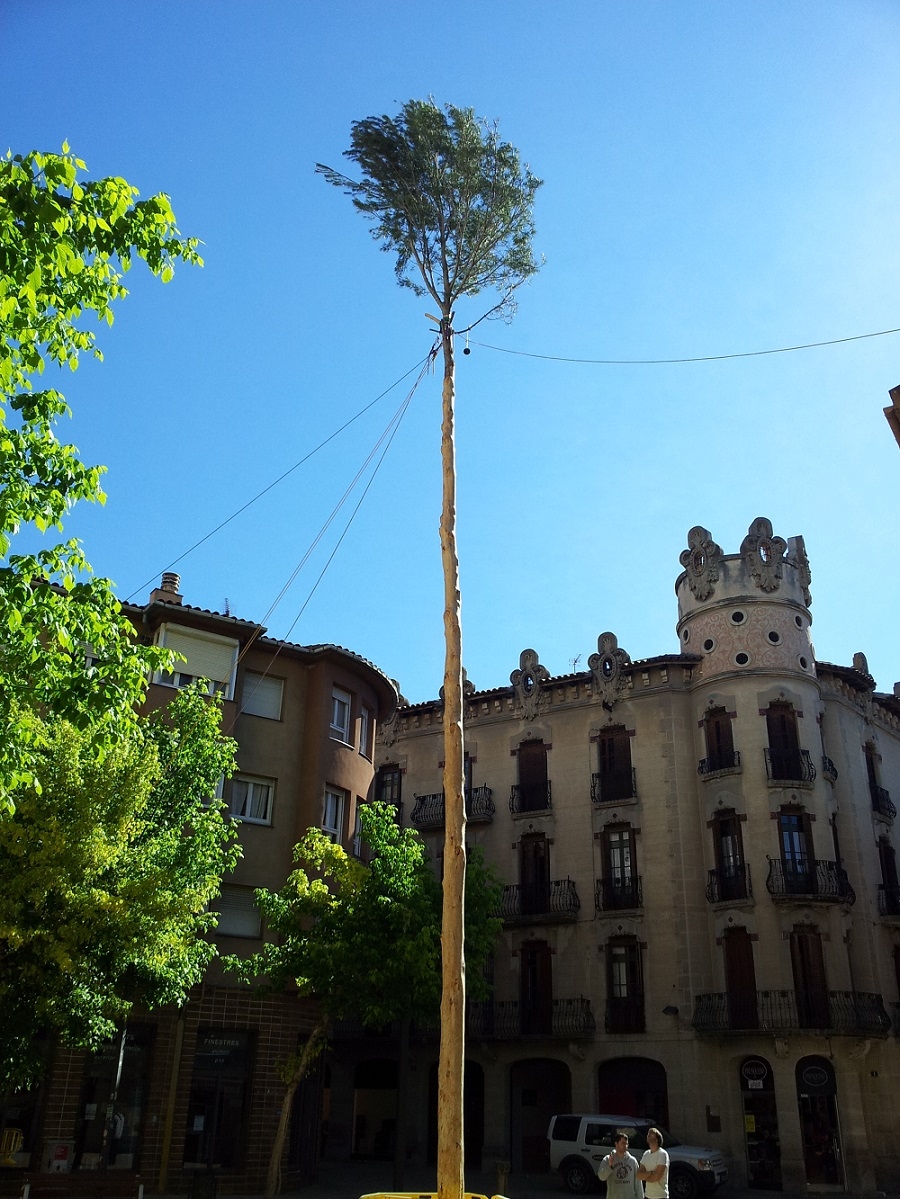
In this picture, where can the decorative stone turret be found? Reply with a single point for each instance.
(746, 611)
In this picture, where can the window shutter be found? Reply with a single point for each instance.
(207, 657)
(262, 696)
(238, 913)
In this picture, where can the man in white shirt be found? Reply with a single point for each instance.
(654, 1170)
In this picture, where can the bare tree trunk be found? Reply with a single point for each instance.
(450, 1148)
(311, 1051)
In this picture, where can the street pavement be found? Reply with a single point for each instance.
(350, 1180)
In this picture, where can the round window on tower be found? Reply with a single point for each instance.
(774, 637)
(685, 635)
(804, 662)
(742, 659)
(738, 617)
(709, 645)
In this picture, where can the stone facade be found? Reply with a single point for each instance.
(701, 911)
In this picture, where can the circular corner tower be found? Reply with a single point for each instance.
(748, 611)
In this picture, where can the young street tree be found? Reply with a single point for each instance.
(107, 868)
(331, 922)
(64, 246)
(454, 204)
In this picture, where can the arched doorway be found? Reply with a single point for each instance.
(819, 1126)
(633, 1086)
(375, 1108)
(473, 1114)
(761, 1139)
(538, 1089)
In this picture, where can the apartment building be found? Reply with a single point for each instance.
(198, 1088)
(701, 914)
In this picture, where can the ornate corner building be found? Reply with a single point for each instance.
(701, 910)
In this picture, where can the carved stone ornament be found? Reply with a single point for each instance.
(801, 562)
(468, 689)
(701, 562)
(526, 683)
(606, 668)
(389, 729)
(764, 554)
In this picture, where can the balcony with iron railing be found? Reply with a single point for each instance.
(553, 900)
(789, 767)
(428, 810)
(618, 894)
(882, 802)
(613, 788)
(889, 900)
(625, 1014)
(838, 1013)
(729, 884)
(829, 770)
(720, 763)
(530, 797)
(509, 1019)
(809, 879)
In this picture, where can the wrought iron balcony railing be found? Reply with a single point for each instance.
(847, 1013)
(789, 766)
(509, 1019)
(888, 900)
(618, 894)
(809, 879)
(625, 1014)
(882, 802)
(528, 797)
(829, 770)
(428, 810)
(718, 762)
(613, 788)
(729, 883)
(555, 899)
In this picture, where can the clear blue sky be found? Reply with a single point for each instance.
(720, 177)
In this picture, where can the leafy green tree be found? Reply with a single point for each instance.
(107, 869)
(331, 922)
(454, 203)
(65, 244)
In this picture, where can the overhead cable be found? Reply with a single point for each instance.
(811, 345)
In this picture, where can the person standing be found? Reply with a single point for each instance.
(654, 1168)
(619, 1170)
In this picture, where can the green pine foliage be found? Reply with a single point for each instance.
(448, 197)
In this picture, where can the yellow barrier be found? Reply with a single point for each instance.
(422, 1195)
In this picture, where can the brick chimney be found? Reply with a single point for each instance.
(167, 592)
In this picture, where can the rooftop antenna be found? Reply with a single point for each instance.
(573, 662)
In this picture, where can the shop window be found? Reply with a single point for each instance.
(112, 1112)
(217, 1107)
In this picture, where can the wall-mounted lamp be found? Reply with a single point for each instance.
(669, 1010)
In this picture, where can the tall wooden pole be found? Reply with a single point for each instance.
(450, 1147)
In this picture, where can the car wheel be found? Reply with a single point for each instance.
(578, 1177)
(683, 1184)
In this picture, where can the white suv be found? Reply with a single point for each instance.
(579, 1143)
